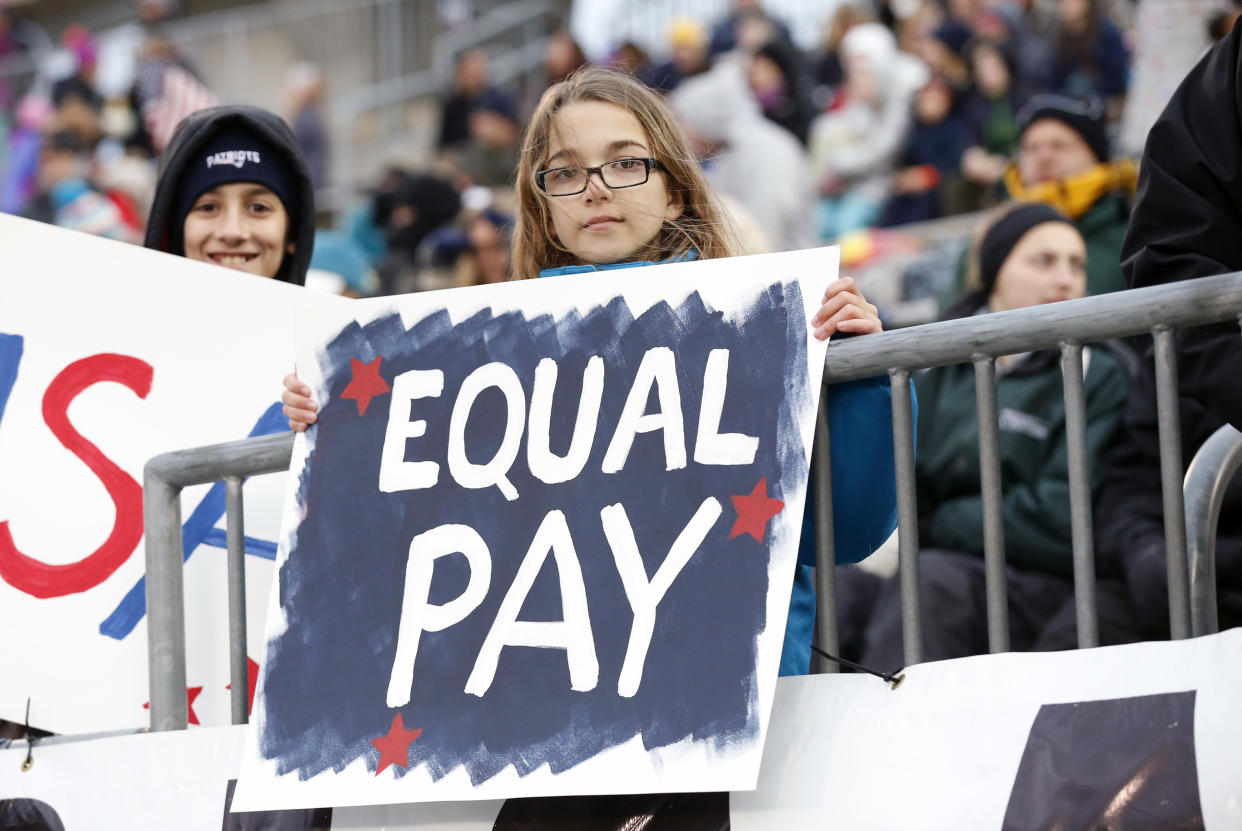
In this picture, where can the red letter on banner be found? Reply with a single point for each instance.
(38, 578)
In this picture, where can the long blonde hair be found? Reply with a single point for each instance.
(702, 226)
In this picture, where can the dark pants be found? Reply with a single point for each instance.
(953, 606)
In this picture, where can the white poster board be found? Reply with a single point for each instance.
(111, 354)
(542, 538)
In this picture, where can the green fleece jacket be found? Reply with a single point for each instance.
(1103, 228)
(1034, 463)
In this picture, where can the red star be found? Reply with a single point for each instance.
(191, 693)
(365, 384)
(754, 510)
(394, 748)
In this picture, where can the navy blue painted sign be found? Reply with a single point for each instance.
(528, 539)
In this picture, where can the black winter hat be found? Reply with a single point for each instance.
(1085, 117)
(237, 156)
(1001, 238)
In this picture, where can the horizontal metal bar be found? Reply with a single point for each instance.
(246, 457)
(1115, 315)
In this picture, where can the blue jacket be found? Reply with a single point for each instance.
(864, 491)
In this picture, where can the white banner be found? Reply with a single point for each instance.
(111, 354)
(958, 745)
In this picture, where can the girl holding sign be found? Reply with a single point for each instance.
(234, 191)
(607, 181)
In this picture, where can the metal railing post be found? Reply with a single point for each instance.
(239, 681)
(993, 519)
(1079, 495)
(1169, 418)
(907, 516)
(1210, 470)
(826, 626)
(161, 508)
(163, 479)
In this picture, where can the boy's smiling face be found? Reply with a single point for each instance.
(243, 226)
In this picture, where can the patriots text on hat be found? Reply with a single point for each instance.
(237, 158)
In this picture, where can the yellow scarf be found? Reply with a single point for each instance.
(1074, 195)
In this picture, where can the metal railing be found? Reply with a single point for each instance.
(1210, 470)
(163, 479)
(1066, 326)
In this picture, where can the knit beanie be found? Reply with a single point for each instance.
(1085, 117)
(1001, 238)
(236, 156)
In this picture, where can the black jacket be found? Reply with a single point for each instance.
(191, 135)
(1186, 221)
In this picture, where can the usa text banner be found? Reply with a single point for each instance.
(111, 354)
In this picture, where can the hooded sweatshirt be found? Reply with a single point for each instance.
(190, 137)
(759, 164)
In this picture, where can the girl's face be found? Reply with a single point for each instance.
(242, 226)
(1048, 264)
(603, 225)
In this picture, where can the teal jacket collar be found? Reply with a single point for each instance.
(583, 269)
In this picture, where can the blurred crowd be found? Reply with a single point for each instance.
(907, 111)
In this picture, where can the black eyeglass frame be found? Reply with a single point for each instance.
(649, 163)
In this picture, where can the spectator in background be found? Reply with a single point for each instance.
(777, 82)
(746, 157)
(487, 257)
(562, 57)
(19, 176)
(1063, 161)
(305, 90)
(10, 47)
(942, 49)
(725, 34)
(166, 88)
(1031, 255)
(1028, 28)
(854, 148)
(407, 208)
(631, 59)
(471, 79)
(931, 159)
(826, 71)
(1091, 58)
(688, 39)
(991, 112)
(80, 85)
(68, 198)
(490, 156)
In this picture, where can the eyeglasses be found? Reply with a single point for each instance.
(623, 173)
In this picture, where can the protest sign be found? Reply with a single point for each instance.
(111, 354)
(543, 537)
(955, 746)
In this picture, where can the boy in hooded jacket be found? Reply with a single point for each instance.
(234, 190)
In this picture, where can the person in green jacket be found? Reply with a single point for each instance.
(1063, 160)
(1032, 255)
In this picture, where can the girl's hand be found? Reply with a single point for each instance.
(300, 408)
(844, 309)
